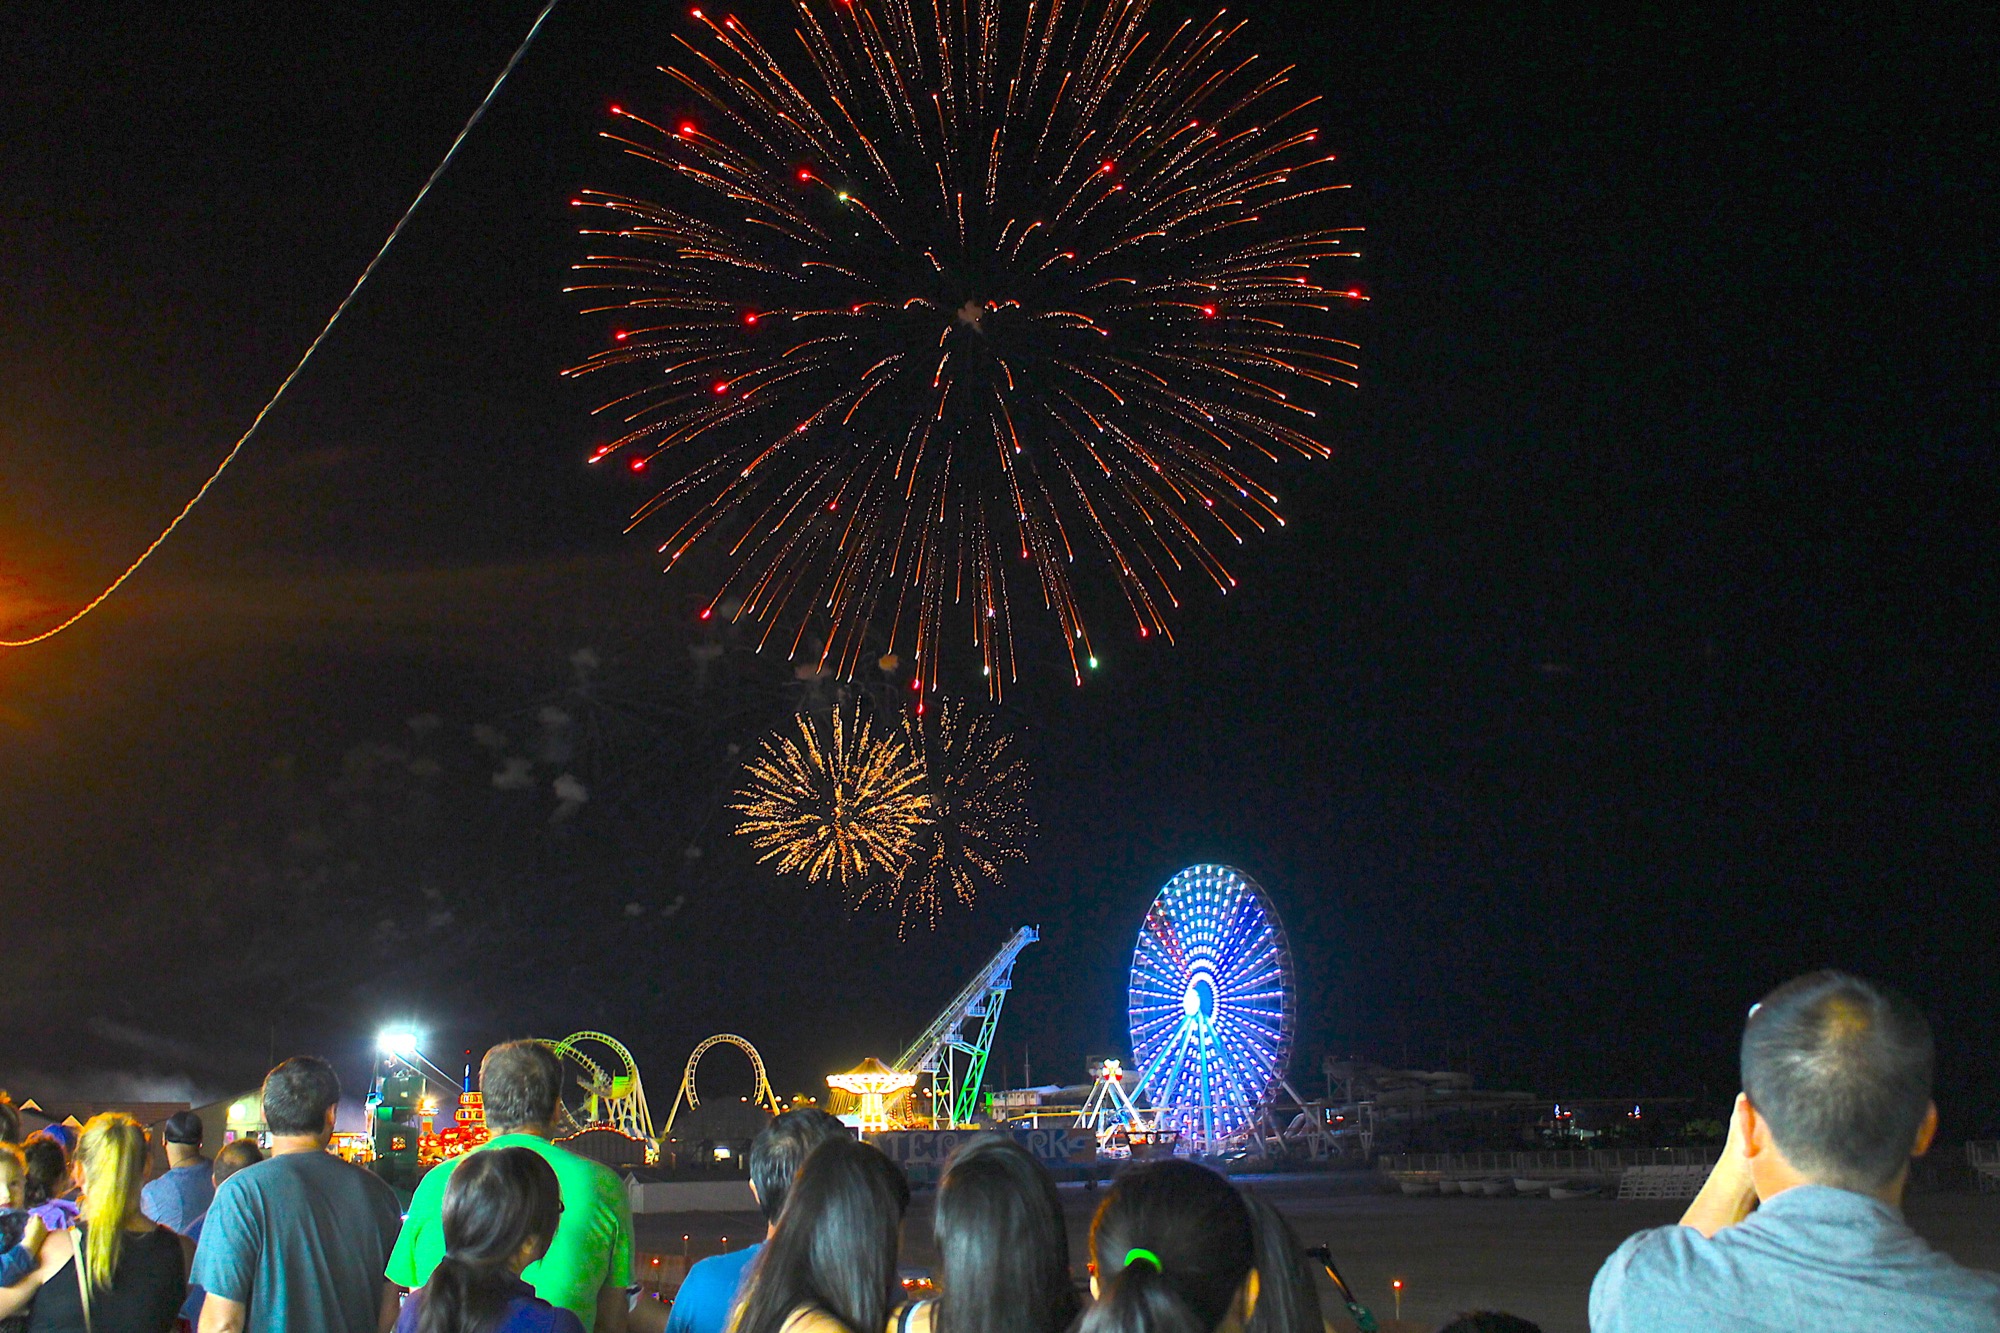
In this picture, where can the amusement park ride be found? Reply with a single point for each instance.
(1211, 1018)
(954, 1093)
(403, 1115)
(691, 1099)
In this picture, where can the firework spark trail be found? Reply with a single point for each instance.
(839, 801)
(978, 789)
(900, 325)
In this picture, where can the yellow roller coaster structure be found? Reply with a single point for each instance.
(763, 1096)
(614, 1097)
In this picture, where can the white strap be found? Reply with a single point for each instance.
(82, 1280)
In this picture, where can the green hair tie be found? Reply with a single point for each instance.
(1140, 1252)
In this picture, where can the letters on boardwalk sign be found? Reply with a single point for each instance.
(913, 1146)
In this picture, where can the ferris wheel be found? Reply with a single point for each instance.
(1210, 1006)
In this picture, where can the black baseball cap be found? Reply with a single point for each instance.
(183, 1127)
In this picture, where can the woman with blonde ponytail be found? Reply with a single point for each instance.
(114, 1272)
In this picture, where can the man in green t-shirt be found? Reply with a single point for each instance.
(589, 1264)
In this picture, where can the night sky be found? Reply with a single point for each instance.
(1634, 654)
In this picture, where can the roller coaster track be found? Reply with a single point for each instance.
(614, 1099)
(763, 1096)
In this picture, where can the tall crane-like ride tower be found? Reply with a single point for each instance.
(939, 1051)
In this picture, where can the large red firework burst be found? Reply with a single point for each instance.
(961, 304)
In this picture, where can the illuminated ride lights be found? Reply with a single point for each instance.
(691, 1098)
(1210, 1007)
(613, 1099)
(957, 1066)
(875, 1084)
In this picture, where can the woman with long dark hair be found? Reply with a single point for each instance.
(1002, 1244)
(830, 1265)
(500, 1210)
(1287, 1291)
(1171, 1251)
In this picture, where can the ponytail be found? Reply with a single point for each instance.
(462, 1296)
(497, 1200)
(112, 1153)
(1140, 1299)
(1171, 1247)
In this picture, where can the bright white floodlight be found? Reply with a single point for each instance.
(399, 1042)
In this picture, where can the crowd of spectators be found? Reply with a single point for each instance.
(1798, 1227)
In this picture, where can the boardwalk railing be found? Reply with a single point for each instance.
(1983, 1156)
(1580, 1160)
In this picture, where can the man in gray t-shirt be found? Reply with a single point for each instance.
(1836, 1100)
(298, 1244)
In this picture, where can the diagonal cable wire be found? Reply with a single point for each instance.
(333, 319)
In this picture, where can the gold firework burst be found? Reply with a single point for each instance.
(837, 800)
(977, 785)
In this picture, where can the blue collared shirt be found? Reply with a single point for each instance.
(708, 1296)
(1814, 1257)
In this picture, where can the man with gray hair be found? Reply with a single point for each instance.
(1836, 1100)
(588, 1265)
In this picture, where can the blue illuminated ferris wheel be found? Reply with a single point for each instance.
(1210, 1006)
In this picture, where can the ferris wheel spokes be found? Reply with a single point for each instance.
(1211, 1010)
